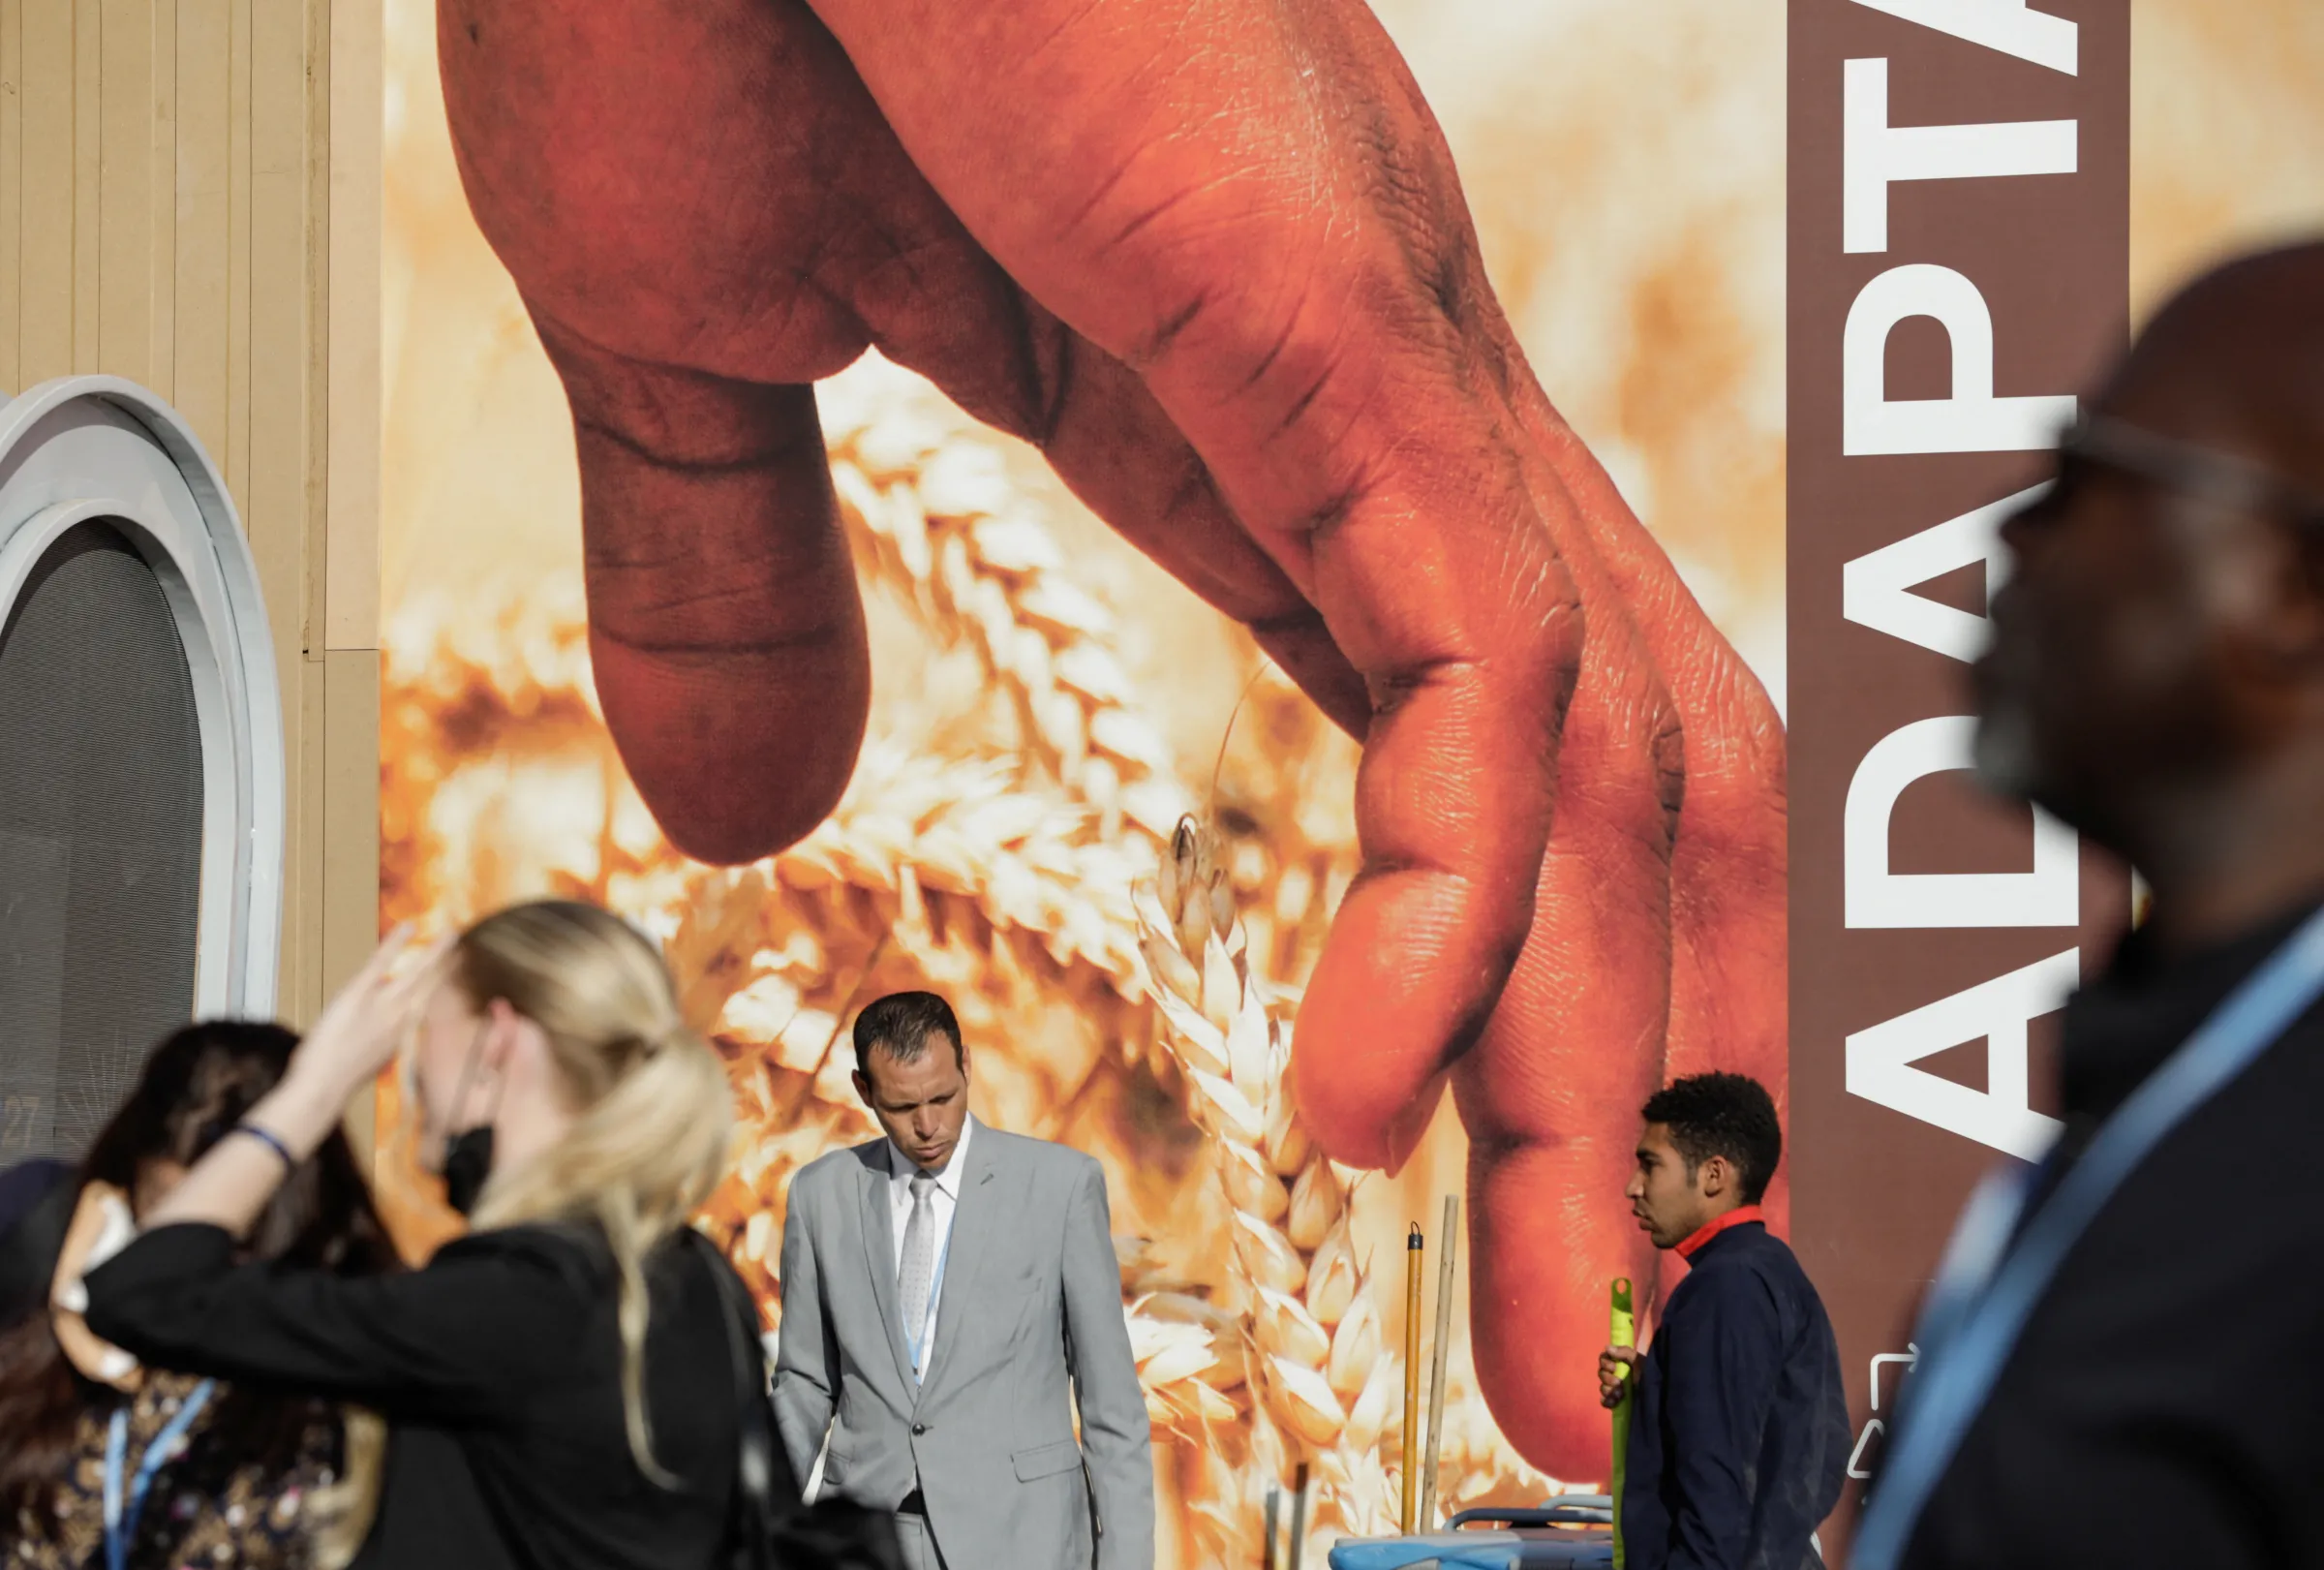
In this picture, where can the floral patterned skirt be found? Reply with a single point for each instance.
(206, 1511)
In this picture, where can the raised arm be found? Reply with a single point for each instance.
(487, 1317)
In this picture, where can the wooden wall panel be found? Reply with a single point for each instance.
(204, 217)
(12, 180)
(87, 48)
(160, 200)
(125, 174)
(46, 179)
(174, 209)
(358, 130)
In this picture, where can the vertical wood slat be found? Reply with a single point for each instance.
(236, 454)
(314, 865)
(350, 813)
(275, 457)
(124, 189)
(12, 193)
(204, 217)
(46, 180)
(161, 202)
(88, 218)
(275, 486)
(313, 298)
(299, 985)
(355, 135)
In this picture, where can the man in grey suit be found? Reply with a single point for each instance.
(949, 1295)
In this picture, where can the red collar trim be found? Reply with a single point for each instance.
(1737, 1216)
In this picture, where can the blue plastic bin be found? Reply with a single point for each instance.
(1572, 1530)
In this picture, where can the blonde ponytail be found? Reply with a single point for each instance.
(657, 1116)
(340, 1516)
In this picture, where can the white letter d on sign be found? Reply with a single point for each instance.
(2048, 896)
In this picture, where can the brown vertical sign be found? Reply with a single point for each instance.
(1959, 254)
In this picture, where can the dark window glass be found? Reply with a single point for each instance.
(100, 838)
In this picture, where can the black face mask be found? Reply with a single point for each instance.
(468, 1154)
(466, 1164)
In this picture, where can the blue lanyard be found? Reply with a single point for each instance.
(1986, 1290)
(120, 1520)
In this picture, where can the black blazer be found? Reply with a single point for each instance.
(497, 1368)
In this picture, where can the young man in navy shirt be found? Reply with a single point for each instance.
(1740, 1440)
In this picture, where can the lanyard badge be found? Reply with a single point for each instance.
(121, 1514)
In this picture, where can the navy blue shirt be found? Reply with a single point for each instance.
(25, 1185)
(1739, 1439)
(35, 1208)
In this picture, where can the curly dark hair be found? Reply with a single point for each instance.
(197, 1084)
(1730, 1115)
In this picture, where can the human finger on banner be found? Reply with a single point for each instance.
(1238, 302)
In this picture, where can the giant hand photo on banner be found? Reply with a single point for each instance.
(1440, 776)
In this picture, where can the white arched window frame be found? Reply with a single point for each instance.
(86, 447)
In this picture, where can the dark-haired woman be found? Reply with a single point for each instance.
(108, 1464)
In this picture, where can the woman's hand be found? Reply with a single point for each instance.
(100, 1227)
(350, 1044)
(357, 1033)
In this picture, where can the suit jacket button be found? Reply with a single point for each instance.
(918, 1428)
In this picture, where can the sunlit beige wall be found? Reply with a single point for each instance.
(175, 208)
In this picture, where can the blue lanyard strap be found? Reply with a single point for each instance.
(120, 1516)
(1987, 1291)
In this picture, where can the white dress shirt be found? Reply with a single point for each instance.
(942, 1202)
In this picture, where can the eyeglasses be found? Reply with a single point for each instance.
(2185, 468)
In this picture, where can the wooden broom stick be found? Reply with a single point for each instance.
(1436, 1375)
(1298, 1518)
(1415, 1250)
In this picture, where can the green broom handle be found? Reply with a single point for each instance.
(1625, 1334)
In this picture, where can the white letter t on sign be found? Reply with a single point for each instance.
(1874, 153)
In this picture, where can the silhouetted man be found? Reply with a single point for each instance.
(1739, 1439)
(2122, 1363)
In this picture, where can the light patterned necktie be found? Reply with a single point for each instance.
(919, 1265)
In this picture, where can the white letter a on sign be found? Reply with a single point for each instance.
(1875, 589)
(1880, 1059)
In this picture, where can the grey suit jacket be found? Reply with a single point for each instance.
(1030, 1321)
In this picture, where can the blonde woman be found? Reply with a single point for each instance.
(558, 1385)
